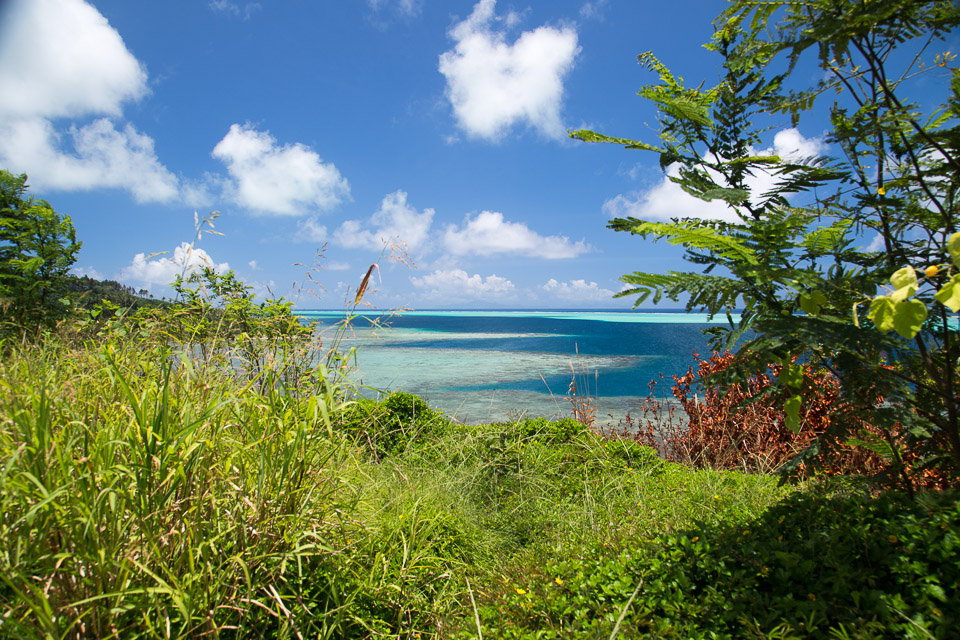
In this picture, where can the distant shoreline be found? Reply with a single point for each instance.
(652, 317)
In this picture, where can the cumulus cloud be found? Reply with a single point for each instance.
(489, 234)
(286, 180)
(577, 291)
(455, 285)
(666, 200)
(493, 84)
(77, 66)
(102, 157)
(394, 220)
(61, 58)
(164, 270)
(310, 230)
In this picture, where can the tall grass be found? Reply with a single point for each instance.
(143, 498)
(152, 490)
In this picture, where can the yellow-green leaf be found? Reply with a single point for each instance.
(792, 409)
(949, 294)
(908, 317)
(881, 312)
(953, 246)
(792, 376)
(905, 277)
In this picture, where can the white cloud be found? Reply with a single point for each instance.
(62, 59)
(492, 84)
(877, 244)
(310, 230)
(102, 157)
(335, 265)
(262, 290)
(577, 291)
(666, 200)
(289, 180)
(90, 272)
(456, 286)
(489, 234)
(253, 265)
(164, 270)
(792, 146)
(394, 220)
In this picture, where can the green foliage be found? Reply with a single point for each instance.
(150, 492)
(814, 566)
(791, 260)
(37, 248)
(389, 426)
(90, 292)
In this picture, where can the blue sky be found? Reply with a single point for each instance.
(350, 126)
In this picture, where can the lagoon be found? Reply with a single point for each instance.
(483, 366)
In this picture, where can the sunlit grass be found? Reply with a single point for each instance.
(152, 490)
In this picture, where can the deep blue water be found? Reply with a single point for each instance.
(658, 348)
(503, 351)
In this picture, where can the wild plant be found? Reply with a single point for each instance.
(583, 405)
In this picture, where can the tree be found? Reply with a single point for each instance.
(796, 262)
(37, 248)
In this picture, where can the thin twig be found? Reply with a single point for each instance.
(623, 614)
(476, 615)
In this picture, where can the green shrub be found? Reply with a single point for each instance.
(813, 566)
(388, 427)
(555, 431)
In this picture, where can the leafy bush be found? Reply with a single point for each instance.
(556, 431)
(814, 566)
(388, 427)
(746, 426)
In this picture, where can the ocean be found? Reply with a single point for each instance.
(487, 366)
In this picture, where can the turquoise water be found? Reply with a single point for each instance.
(481, 366)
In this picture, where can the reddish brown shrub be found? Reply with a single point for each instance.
(745, 428)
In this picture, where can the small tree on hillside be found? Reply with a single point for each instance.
(880, 318)
(37, 249)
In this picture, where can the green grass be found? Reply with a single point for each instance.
(149, 492)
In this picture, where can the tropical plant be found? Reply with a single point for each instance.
(37, 248)
(796, 260)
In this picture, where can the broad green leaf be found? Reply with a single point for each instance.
(949, 294)
(792, 376)
(901, 295)
(908, 317)
(904, 277)
(953, 246)
(812, 302)
(904, 282)
(792, 409)
(881, 312)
